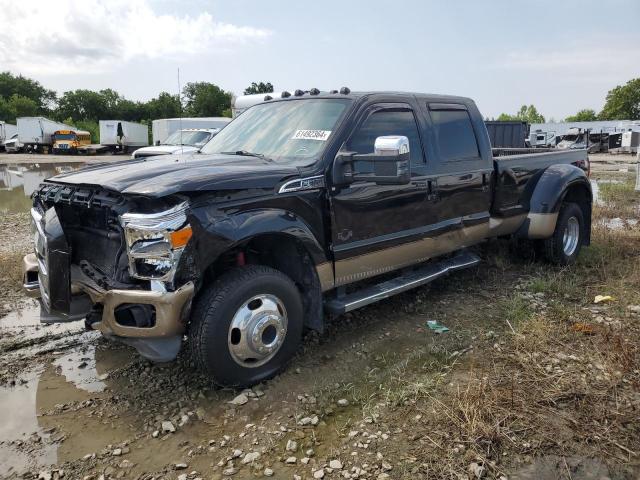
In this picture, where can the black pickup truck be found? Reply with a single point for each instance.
(312, 203)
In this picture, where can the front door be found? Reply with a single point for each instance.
(374, 227)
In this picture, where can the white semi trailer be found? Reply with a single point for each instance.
(163, 127)
(241, 103)
(35, 132)
(119, 135)
(7, 131)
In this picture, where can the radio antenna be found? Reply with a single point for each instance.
(180, 113)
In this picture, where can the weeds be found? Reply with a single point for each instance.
(548, 388)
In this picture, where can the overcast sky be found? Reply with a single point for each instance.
(561, 56)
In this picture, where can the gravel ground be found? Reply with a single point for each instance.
(14, 244)
(533, 381)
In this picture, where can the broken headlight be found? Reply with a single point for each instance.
(155, 242)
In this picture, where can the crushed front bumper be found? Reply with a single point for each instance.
(171, 308)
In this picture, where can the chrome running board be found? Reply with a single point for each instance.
(401, 283)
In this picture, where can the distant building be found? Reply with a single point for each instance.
(607, 126)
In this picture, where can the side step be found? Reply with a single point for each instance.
(401, 283)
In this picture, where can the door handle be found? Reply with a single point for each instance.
(432, 190)
(485, 182)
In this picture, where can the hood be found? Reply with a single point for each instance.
(167, 174)
(164, 150)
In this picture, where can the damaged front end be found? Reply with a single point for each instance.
(113, 261)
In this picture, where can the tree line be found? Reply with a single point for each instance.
(24, 97)
(621, 103)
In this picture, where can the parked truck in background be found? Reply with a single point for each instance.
(7, 130)
(314, 203)
(163, 127)
(13, 145)
(121, 136)
(36, 133)
(180, 142)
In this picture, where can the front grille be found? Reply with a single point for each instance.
(89, 218)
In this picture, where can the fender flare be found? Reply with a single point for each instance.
(219, 232)
(547, 196)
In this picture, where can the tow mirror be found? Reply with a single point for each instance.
(389, 164)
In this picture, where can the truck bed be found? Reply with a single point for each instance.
(517, 168)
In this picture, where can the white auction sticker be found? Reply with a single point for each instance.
(321, 135)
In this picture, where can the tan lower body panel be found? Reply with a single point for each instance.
(541, 225)
(170, 308)
(325, 275)
(392, 258)
(382, 261)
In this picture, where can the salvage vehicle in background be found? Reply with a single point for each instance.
(68, 142)
(188, 140)
(312, 203)
(13, 145)
(164, 127)
(7, 131)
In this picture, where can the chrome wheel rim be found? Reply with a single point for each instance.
(571, 236)
(257, 331)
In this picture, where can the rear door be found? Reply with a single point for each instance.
(461, 176)
(375, 227)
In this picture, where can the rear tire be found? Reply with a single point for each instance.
(246, 326)
(564, 245)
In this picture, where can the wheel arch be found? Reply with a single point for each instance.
(558, 184)
(278, 239)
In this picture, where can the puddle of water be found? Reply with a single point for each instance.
(23, 443)
(79, 368)
(24, 325)
(18, 182)
(29, 439)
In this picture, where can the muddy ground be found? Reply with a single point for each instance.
(533, 380)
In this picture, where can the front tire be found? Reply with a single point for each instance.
(246, 326)
(564, 245)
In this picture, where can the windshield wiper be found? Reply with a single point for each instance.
(245, 153)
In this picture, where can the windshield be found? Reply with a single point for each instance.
(65, 136)
(292, 131)
(187, 137)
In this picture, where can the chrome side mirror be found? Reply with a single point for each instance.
(390, 145)
(390, 163)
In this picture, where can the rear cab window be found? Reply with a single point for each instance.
(453, 132)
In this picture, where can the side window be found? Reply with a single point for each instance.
(454, 135)
(386, 122)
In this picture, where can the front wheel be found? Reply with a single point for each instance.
(564, 245)
(246, 326)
